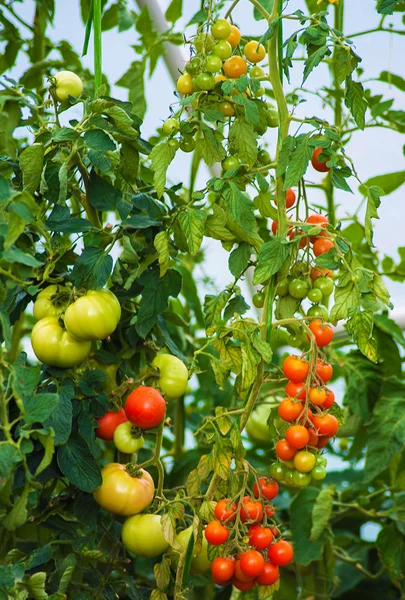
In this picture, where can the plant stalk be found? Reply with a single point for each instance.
(98, 50)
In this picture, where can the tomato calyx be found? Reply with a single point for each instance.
(134, 470)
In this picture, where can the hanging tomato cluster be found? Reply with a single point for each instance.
(252, 550)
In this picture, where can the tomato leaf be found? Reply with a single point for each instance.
(31, 164)
(38, 408)
(192, 221)
(355, 101)
(271, 256)
(92, 269)
(321, 512)
(391, 550)
(243, 140)
(360, 327)
(161, 157)
(305, 549)
(9, 458)
(78, 465)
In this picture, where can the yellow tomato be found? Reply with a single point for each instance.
(122, 493)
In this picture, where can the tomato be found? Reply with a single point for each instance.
(324, 285)
(289, 477)
(256, 72)
(187, 144)
(317, 272)
(109, 422)
(203, 43)
(298, 288)
(313, 438)
(301, 479)
(284, 451)
(174, 144)
(269, 512)
(319, 221)
(142, 535)
(317, 396)
(274, 227)
(54, 346)
(323, 333)
(194, 65)
(288, 410)
(319, 165)
(277, 471)
(125, 441)
(324, 370)
(321, 461)
(173, 375)
(318, 473)
(221, 29)
(93, 316)
(272, 117)
(219, 78)
(295, 369)
(315, 295)
(268, 575)
(222, 50)
(296, 390)
(234, 37)
(281, 553)
(226, 108)
(323, 441)
(225, 510)
(122, 493)
(326, 424)
(243, 586)
(251, 510)
(297, 436)
(260, 537)
(200, 562)
(145, 407)
(170, 125)
(254, 52)
(204, 81)
(258, 299)
(223, 568)
(329, 400)
(290, 198)
(268, 488)
(67, 84)
(51, 302)
(322, 245)
(256, 427)
(282, 286)
(213, 63)
(216, 533)
(304, 461)
(185, 83)
(240, 575)
(235, 66)
(318, 311)
(230, 162)
(263, 157)
(251, 563)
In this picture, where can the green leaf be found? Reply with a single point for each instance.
(236, 306)
(346, 298)
(15, 255)
(267, 4)
(373, 202)
(298, 161)
(360, 327)
(161, 243)
(322, 511)
(36, 586)
(39, 407)
(49, 447)
(168, 526)
(345, 62)
(174, 11)
(31, 164)
(25, 380)
(263, 204)
(133, 80)
(92, 268)
(161, 572)
(18, 514)
(9, 458)
(241, 219)
(97, 139)
(161, 157)
(387, 7)
(355, 101)
(239, 259)
(389, 182)
(305, 549)
(389, 326)
(392, 79)
(242, 139)
(213, 307)
(102, 195)
(78, 465)
(251, 109)
(314, 59)
(271, 256)
(391, 550)
(192, 222)
(270, 31)
(61, 417)
(338, 181)
(209, 146)
(222, 455)
(155, 297)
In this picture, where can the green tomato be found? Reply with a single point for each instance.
(258, 299)
(299, 268)
(170, 125)
(124, 441)
(256, 427)
(272, 115)
(173, 375)
(200, 562)
(263, 157)
(67, 84)
(259, 92)
(205, 81)
(303, 461)
(289, 477)
(174, 144)
(294, 341)
(318, 473)
(222, 50)
(315, 295)
(325, 285)
(221, 29)
(55, 346)
(213, 63)
(187, 144)
(230, 162)
(301, 479)
(142, 535)
(203, 42)
(288, 463)
(343, 444)
(277, 471)
(318, 311)
(321, 461)
(298, 288)
(195, 65)
(93, 316)
(282, 287)
(256, 72)
(51, 301)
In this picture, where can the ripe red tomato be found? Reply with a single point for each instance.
(223, 568)
(269, 574)
(268, 488)
(252, 563)
(243, 586)
(225, 510)
(260, 537)
(322, 245)
(326, 424)
(323, 441)
(274, 227)
(251, 510)
(145, 407)
(289, 410)
(284, 451)
(297, 436)
(295, 369)
(290, 198)
(317, 396)
(330, 399)
(269, 511)
(313, 438)
(324, 370)
(281, 553)
(317, 272)
(219, 582)
(109, 422)
(216, 533)
(240, 575)
(323, 333)
(296, 390)
(303, 240)
(319, 165)
(318, 220)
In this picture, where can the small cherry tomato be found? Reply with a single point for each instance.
(109, 422)
(260, 537)
(230, 162)
(319, 165)
(251, 510)
(326, 425)
(243, 586)
(258, 299)
(225, 510)
(322, 332)
(330, 399)
(263, 157)
(301, 479)
(254, 52)
(222, 50)
(213, 63)
(318, 473)
(235, 66)
(170, 125)
(269, 512)
(298, 289)
(205, 81)
(187, 144)
(284, 451)
(319, 311)
(290, 198)
(226, 108)
(277, 472)
(216, 533)
(317, 396)
(194, 66)
(324, 285)
(282, 286)
(296, 390)
(297, 436)
(223, 568)
(315, 295)
(145, 407)
(281, 553)
(234, 37)
(268, 488)
(252, 563)
(324, 370)
(203, 43)
(125, 441)
(268, 575)
(221, 29)
(185, 84)
(240, 575)
(323, 441)
(321, 461)
(289, 410)
(304, 461)
(295, 369)
(313, 438)
(322, 245)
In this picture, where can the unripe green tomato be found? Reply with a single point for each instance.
(256, 72)
(260, 128)
(51, 301)
(205, 81)
(343, 444)
(319, 311)
(259, 92)
(187, 144)
(55, 346)
(301, 479)
(258, 299)
(200, 562)
(213, 63)
(304, 461)
(298, 289)
(170, 125)
(174, 144)
(125, 441)
(321, 461)
(272, 116)
(315, 295)
(256, 427)
(142, 535)
(289, 477)
(173, 375)
(263, 157)
(318, 473)
(221, 29)
(203, 42)
(195, 65)
(325, 285)
(282, 287)
(299, 268)
(277, 471)
(294, 341)
(67, 84)
(93, 316)
(222, 50)
(288, 464)
(230, 162)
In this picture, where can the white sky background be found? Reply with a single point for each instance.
(375, 151)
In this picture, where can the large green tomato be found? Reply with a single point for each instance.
(67, 84)
(173, 375)
(56, 347)
(93, 316)
(142, 535)
(200, 562)
(51, 302)
(123, 493)
(256, 427)
(125, 441)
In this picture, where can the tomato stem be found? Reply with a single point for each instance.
(98, 69)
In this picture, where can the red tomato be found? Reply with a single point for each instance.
(216, 533)
(269, 574)
(240, 575)
(260, 537)
(222, 568)
(269, 510)
(295, 369)
(323, 333)
(326, 424)
(252, 563)
(281, 553)
(319, 165)
(243, 586)
(324, 370)
(225, 510)
(330, 399)
(313, 438)
(322, 245)
(317, 272)
(317, 396)
(268, 488)
(296, 390)
(318, 220)
(109, 422)
(251, 510)
(274, 227)
(289, 410)
(145, 407)
(219, 582)
(323, 441)
(290, 198)
(303, 240)
(284, 451)
(297, 436)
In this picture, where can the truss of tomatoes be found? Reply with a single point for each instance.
(245, 565)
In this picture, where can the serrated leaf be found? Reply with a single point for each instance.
(161, 157)
(213, 307)
(133, 80)
(298, 161)
(355, 101)
(263, 348)
(78, 465)
(346, 298)
(162, 573)
(39, 407)
(161, 243)
(314, 59)
(168, 527)
(239, 259)
(31, 164)
(222, 455)
(271, 256)
(263, 203)
(360, 327)
(9, 459)
(305, 550)
(242, 138)
(209, 146)
(192, 222)
(321, 512)
(92, 269)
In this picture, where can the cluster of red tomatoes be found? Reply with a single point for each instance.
(252, 554)
(312, 426)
